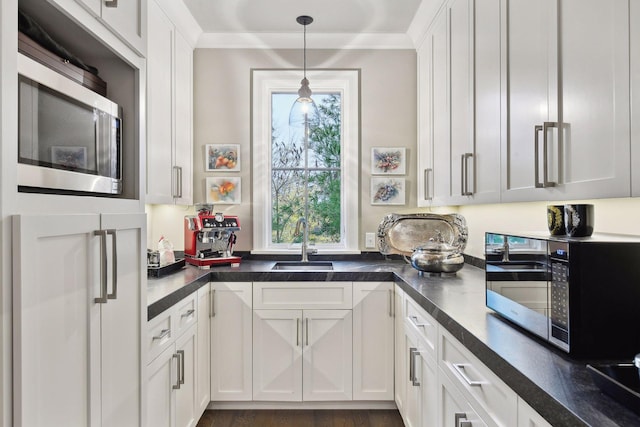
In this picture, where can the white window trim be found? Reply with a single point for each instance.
(266, 82)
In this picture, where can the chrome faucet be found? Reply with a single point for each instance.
(505, 250)
(302, 222)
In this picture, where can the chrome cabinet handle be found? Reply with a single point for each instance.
(102, 299)
(176, 386)
(413, 352)
(212, 307)
(390, 302)
(188, 313)
(114, 265)
(459, 368)
(181, 380)
(297, 332)
(307, 331)
(414, 320)
(111, 3)
(464, 172)
(458, 417)
(163, 333)
(545, 149)
(427, 195)
(177, 189)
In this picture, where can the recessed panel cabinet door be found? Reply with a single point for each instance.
(327, 357)
(56, 322)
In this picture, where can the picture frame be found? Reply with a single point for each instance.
(388, 161)
(72, 157)
(388, 191)
(223, 190)
(222, 157)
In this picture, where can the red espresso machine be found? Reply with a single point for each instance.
(209, 238)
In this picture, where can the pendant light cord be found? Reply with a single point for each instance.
(304, 61)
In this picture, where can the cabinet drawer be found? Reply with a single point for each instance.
(425, 326)
(477, 381)
(302, 295)
(160, 334)
(185, 313)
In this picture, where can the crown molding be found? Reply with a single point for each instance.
(182, 19)
(314, 41)
(423, 19)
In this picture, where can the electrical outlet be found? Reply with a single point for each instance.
(370, 240)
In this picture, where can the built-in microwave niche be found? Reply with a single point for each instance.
(35, 51)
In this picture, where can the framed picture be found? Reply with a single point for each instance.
(388, 161)
(71, 157)
(222, 157)
(223, 191)
(388, 191)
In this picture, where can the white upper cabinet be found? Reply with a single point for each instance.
(567, 100)
(634, 48)
(169, 112)
(459, 105)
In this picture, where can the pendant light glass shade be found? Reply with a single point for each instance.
(303, 109)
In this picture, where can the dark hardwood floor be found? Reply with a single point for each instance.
(301, 418)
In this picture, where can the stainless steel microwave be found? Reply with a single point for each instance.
(69, 137)
(582, 295)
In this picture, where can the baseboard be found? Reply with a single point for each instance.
(370, 405)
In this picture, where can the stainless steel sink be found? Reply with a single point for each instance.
(303, 266)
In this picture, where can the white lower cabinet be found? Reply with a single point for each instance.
(302, 341)
(399, 349)
(528, 417)
(203, 358)
(231, 341)
(172, 371)
(454, 408)
(373, 331)
(78, 319)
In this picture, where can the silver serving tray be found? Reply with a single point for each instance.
(401, 233)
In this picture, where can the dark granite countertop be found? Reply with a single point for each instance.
(556, 386)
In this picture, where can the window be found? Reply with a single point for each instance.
(315, 178)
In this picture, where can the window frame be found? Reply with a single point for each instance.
(265, 82)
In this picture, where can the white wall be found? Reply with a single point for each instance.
(222, 112)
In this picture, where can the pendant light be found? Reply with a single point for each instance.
(303, 109)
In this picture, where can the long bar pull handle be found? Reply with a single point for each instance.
(307, 331)
(177, 182)
(465, 174)
(412, 364)
(188, 313)
(458, 417)
(413, 352)
(102, 299)
(297, 332)
(390, 302)
(181, 353)
(111, 3)
(536, 155)
(545, 150)
(427, 194)
(212, 306)
(414, 320)
(460, 369)
(163, 333)
(114, 265)
(176, 386)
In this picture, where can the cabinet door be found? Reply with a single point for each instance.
(56, 331)
(186, 348)
(453, 407)
(127, 20)
(400, 352)
(427, 371)
(183, 149)
(425, 121)
(277, 355)
(373, 326)
(634, 19)
(440, 110)
(203, 363)
(594, 52)
(160, 129)
(123, 319)
(162, 377)
(531, 64)
(411, 381)
(327, 357)
(231, 341)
